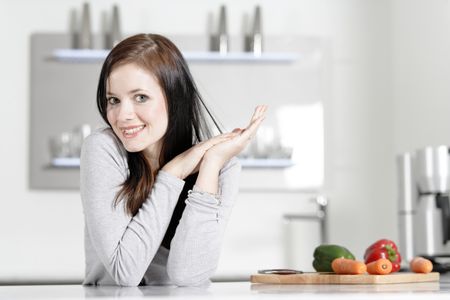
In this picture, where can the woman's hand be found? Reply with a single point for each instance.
(216, 151)
(188, 162)
(217, 155)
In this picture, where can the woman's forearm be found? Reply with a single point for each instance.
(208, 176)
(195, 248)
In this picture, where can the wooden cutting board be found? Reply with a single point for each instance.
(329, 278)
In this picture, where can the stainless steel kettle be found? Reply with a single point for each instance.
(424, 205)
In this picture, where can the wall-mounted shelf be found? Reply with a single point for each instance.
(65, 162)
(98, 55)
(74, 162)
(266, 162)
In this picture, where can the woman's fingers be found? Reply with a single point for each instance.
(216, 140)
(239, 135)
(259, 110)
(250, 131)
(257, 118)
(237, 130)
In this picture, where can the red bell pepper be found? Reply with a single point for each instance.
(384, 249)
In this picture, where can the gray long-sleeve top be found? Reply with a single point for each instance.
(127, 251)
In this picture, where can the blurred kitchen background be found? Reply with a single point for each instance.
(351, 84)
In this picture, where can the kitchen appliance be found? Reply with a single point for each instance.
(423, 206)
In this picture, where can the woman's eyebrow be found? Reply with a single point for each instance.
(137, 90)
(130, 92)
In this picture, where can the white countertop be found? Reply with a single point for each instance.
(234, 290)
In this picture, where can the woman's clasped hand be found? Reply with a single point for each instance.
(216, 151)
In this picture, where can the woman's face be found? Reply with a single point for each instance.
(136, 109)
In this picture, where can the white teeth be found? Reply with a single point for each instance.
(133, 130)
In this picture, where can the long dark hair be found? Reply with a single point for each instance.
(187, 124)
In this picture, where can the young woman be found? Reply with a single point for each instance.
(157, 187)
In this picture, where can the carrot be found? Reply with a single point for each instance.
(421, 265)
(348, 266)
(381, 266)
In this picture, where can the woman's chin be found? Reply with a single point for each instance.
(133, 148)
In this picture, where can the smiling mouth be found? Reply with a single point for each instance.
(132, 132)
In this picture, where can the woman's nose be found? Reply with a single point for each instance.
(126, 111)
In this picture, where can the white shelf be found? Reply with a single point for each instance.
(80, 55)
(65, 162)
(98, 55)
(74, 162)
(266, 162)
(268, 57)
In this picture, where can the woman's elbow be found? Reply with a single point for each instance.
(125, 278)
(188, 280)
(128, 282)
(125, 273)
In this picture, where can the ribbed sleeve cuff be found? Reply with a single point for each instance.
(204, 200)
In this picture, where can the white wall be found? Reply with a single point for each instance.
(421, 62)
(41, 231)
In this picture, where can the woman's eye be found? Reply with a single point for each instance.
(113, 100)
(141, 98)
